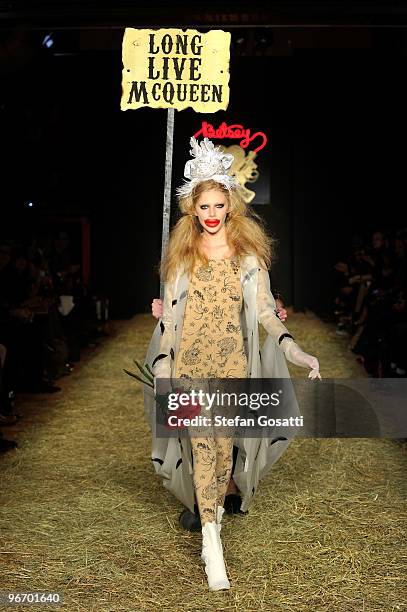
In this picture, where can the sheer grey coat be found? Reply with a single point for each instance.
(172, 457)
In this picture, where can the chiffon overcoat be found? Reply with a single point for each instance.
(171, 457)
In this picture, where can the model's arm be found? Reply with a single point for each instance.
(266, 308)
(266, 313)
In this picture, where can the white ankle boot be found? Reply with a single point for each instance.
(219, 513)
(212, 555)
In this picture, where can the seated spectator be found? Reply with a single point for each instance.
(352, 279)
(371, 304)
(398, 335)
(6, 394)
(22, 328)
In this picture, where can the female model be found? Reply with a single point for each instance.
(216, 290)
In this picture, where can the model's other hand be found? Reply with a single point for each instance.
(294, 354)
(280, 310)
(282, 314)
(157, 308)
(315, 372)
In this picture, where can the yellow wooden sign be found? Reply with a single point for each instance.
(176, 69)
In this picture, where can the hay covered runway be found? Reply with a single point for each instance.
(84, 514)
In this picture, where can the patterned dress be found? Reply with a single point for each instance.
(212, 341)
(212, 348)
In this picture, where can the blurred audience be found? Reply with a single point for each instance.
(46, 317)
(371, 303)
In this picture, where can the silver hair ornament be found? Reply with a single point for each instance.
(210, 163)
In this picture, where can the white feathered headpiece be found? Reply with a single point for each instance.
(209, 163)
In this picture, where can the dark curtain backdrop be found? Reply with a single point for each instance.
(336, 127)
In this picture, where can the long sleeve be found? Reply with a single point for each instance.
(266, 308)
(266, 315)
(162, 362)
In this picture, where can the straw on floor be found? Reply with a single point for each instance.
(84, 514)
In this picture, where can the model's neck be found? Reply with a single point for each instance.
(215, 246)
(214, 240)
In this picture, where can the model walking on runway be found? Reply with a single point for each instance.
(216, 290)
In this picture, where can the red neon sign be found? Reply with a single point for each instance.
(232, 131)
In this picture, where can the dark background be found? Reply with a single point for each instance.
(334, 116)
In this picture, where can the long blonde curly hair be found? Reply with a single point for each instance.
(245, 231)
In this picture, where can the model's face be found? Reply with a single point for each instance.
(211, 209)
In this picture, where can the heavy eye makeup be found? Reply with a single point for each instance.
(205, 206)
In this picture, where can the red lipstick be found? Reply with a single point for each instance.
(212, 222)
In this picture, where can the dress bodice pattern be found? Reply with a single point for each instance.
(212, 340)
